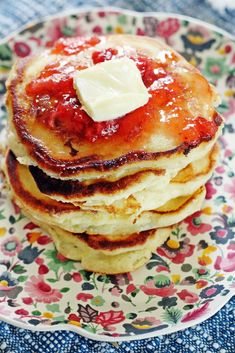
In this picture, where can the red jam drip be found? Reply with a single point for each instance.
(56, 105)
(103, 55)
(72, 46)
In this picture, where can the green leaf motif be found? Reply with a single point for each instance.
(126, 298)
(36, 313)
(57, 264)
(68, 31)
(59, 318)
(19, 269)
(5, 52)
(220, 200)
(152, 308)
(122, 19)
(52, 280)
(53, 308)
(22, 278)
(64, 290)
(172, 315)
(2, 215)
(157, 261)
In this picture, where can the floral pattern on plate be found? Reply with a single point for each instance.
(189, 277)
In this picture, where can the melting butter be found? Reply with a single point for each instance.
(111, 89)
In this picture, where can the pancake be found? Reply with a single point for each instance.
(74, 219)
(49, 129)
(109, 191)
(134, 193)
(100, 254)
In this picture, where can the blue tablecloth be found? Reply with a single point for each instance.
(217, 334)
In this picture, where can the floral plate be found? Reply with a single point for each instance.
(191, 276)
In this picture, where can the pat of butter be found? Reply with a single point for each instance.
(110, 89)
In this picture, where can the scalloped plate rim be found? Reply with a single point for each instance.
(73, 328)
(119, 9)
(103, 338)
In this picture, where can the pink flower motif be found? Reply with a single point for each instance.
(54, 32)
(228, 153)
(226, 264)
(231, 246)
(11, 246)
(210, 190)
(109, 318)
(40, 291)
(220, 169)
(4, 310)
(231, 108)
(151, 289)
(115, 291)
(149, 320)
(84, 296)
(195, 225)
(168, 27)
(230, 188)
(188, 297)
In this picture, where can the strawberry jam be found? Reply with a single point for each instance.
(55, 103)
(72, 46)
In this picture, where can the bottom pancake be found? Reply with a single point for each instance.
(103, 255)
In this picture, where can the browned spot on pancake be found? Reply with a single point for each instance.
(44, 204)
(65, 167)
(68, 188)
(100, 242)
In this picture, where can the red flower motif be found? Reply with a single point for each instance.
(84, 296)
(176, 254)
(77, 277)
(98, 30)
(61, 257)
(140, 32)
(130, 288)
(74, 317)
(110, 317)
(226, 264)
(162, 268)
(151, 289)
(195, 225)
(168, 27)
(27, 300)
(21, 49)
(44, 240)
(22, 312)
(201, 283)
(43, 269)
(188, 297)
(210, 190)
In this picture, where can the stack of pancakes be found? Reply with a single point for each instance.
(109, 200)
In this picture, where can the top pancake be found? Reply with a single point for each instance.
(49, 128)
